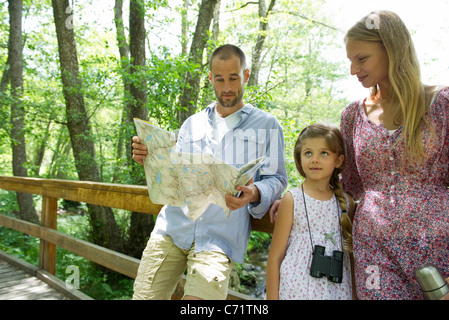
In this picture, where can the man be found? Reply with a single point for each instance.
(237, 133)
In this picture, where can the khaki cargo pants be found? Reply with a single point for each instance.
(163, 264)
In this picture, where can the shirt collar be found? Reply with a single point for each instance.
(245, 110)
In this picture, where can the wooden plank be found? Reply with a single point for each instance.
(26, 281)
(22, 275)
(20, 225)
(7, 272)
(108, 258)
(111, 259)
(14, 278)
(30, 293)
(16, 284)
(127, 197)
(47, 252)
(60, 286)
(10, 260)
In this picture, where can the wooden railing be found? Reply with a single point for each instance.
(127, 197)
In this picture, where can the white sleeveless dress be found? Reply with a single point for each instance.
(295, 280)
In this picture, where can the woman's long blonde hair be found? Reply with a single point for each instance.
(407, 94)
(335, 143)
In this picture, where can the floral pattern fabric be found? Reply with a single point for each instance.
(402, 220)
(295, 280)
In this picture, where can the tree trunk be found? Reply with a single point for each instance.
(60, 153)
(124, 63)
(19, 156)
(184, 27)
(216, 22)
(256, 59)
(191, 90)
(40, 151)
(210, 98)
(141, 224)
(137, 51)
(105, 230)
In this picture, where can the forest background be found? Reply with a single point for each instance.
(75, 73)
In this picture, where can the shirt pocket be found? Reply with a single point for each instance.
(250, 145)
(195, 142)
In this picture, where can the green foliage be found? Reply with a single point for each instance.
(95, 281)
(259, 240)
(295, 81)
(296, 84)
(8, 201)
(165, 77)
(23, 246)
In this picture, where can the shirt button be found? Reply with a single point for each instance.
(392, 173)
(391, 158)
(392, 187)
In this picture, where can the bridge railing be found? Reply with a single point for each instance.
(127, 197)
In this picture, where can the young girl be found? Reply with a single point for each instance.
(314, 214)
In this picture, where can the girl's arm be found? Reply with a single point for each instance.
(281, 233)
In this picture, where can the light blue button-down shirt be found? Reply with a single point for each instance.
(257, 134)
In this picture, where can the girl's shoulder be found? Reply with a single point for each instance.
(294, 190)
(290, 195)
(294, 193)
(287, 204)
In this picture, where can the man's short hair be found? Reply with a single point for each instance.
(225, 52)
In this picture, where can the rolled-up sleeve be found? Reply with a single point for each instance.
(272, 180)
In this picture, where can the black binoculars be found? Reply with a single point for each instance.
(330, 267)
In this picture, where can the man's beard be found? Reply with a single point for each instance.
(232, 103)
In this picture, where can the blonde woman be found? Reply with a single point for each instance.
(397, 162)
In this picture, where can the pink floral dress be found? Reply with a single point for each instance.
(402, 220)
(295, 280)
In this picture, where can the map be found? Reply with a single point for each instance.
(191, 181)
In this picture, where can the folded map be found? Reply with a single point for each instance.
(191, 181)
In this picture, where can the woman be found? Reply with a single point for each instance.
(397, 162)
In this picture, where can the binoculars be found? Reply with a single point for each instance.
(327, 266)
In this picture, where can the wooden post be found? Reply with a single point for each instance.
(47, 253)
